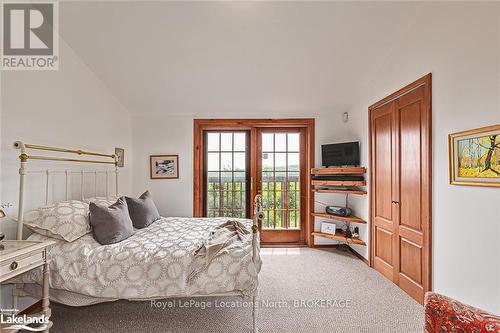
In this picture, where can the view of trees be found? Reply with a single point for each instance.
(479, 157)
(226, 177)
(281, 203)
(227, 199)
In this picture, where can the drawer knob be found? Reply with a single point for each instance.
(13, 266)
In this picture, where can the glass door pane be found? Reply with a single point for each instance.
(280, 175)
(226, 176)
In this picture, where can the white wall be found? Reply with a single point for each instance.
(65, 108)
(460, 45)
(1, 108)
(155, 135)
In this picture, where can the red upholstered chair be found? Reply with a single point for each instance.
(443, 314)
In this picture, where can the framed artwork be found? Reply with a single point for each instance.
(164, 166)
(475, 157)
(120, 153)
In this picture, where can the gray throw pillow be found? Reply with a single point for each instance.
(110, 224)
(143, 210)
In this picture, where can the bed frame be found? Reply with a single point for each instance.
(109, 159)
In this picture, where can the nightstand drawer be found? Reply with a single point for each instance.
(20, 264)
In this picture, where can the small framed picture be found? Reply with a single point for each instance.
(164, 166)
(120, 154)
(475, 157)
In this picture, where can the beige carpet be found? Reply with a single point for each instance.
(342, 294)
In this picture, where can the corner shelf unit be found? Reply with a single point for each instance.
(339, 171)
(338, 182)
(350, 218)
(349, 191)
(341, 237)
(351, 187)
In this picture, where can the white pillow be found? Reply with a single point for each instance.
(66, 220)
(105, 201)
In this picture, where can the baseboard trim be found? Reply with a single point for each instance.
(359, 256)
(287, 245)
(326, 246)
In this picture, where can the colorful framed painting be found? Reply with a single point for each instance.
(164, 166)
(475, 157)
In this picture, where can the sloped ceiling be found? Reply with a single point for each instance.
(234, 57)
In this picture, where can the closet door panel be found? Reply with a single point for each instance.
(410, 233)
(383, 163)
(410, 153)
(411, 263)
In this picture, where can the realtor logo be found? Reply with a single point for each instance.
(30, 36)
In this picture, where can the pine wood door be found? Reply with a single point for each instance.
(281, 179)
(214, 160)
(383, 188)
(401, 187)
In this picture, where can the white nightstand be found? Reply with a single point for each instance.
(18, 257)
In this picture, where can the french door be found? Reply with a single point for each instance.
(236, 159)
(281, 181)
(227, 174)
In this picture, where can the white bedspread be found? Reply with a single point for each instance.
(153, 263)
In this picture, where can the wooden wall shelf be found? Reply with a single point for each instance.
(350, 218)
(338, 182)
(340, 236)
(346, 191)
(338, 171)
(346, 187)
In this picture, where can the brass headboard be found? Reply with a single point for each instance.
(25, 157)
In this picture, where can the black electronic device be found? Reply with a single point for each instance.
(338, 210)
(340, 154)
(338, 177)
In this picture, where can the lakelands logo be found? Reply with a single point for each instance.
(30, 39)
(41, 322)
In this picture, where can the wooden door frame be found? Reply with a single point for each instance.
(201, 125)
(426, 82)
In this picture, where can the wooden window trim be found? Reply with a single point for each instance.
(201, 125)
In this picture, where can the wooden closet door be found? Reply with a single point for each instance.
(384, 217)
(401, 166)
(413, 193)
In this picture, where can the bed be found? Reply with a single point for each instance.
(156, 262)
(159, 261)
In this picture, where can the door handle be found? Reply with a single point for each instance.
(395, 202)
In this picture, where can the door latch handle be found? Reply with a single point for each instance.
(395, 202)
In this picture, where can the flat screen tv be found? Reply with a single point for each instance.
(340, 154)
